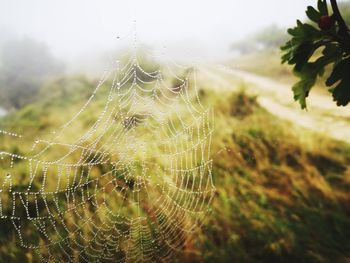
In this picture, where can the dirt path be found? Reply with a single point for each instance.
(323, 115)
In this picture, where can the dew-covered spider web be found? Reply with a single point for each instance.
(126, 179)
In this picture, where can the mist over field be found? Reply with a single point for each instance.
(204, 28)
(167, 131)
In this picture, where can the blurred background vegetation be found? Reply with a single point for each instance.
(282, 191)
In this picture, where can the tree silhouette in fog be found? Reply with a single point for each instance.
(24, 65)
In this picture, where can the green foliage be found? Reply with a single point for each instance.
(341, 92)
(304, 52)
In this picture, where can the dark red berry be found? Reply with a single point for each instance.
(325, 22)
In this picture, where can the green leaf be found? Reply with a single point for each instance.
(305, 32)
(322, 7)
(332, 50)
(330, 54)
(302, 55)
(313, 14)
(302, 88)
(340, 70)
(311, 33)
(340, 75)
(298, 51)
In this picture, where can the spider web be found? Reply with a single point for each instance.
(132, 187)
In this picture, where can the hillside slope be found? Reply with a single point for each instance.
(282, 192)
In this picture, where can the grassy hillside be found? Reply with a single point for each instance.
(282, 192)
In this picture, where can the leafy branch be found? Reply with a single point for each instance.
(312, 48)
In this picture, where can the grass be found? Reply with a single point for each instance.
(282, 192)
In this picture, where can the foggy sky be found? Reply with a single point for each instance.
(72, 27)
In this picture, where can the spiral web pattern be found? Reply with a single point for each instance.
(132, 187)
